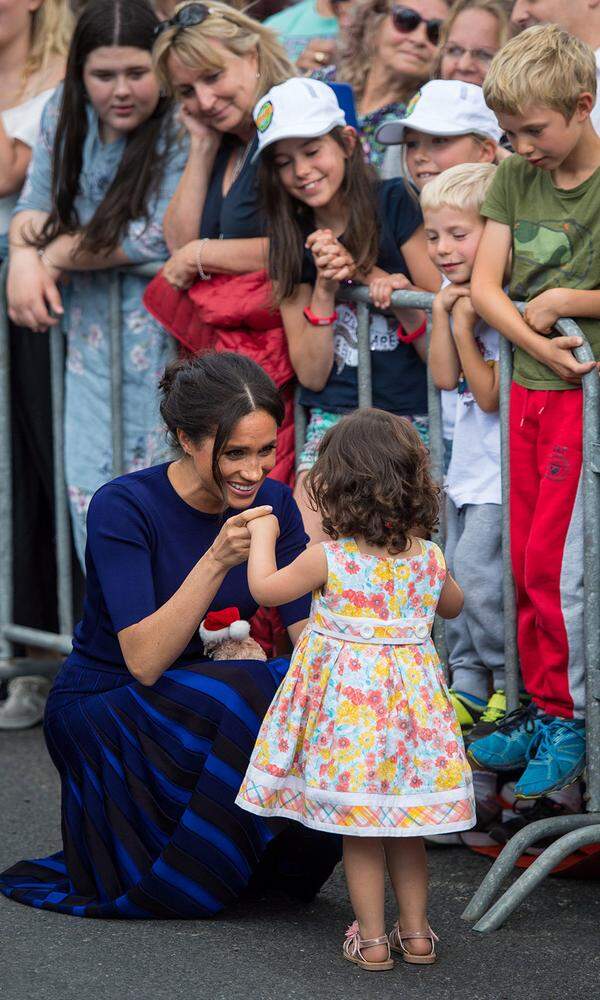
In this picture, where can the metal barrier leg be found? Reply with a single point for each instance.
(6, 539)
(436, 455)
(505, 862)
(584, 829)
(511, 654)
(542, 866)
(116, 372)
(363, 375)
(299, 424)
(62, 523)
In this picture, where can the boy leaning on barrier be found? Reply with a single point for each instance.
(463, 355)
(543, 206)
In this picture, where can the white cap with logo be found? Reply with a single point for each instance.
(444, 107)
(296, 109)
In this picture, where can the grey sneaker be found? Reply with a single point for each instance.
(25, 704)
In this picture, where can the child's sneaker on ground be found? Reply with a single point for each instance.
(507, 746)
(493, 713)
(556, 757)
(468, 708)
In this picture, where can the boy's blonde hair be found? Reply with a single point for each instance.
(543, 65)
(463, 188)
(234, 30)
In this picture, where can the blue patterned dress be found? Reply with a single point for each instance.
(146, 346)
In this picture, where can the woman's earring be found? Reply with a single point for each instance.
(258, 74)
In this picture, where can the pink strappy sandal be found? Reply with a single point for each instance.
(396, 938)
(354, 943)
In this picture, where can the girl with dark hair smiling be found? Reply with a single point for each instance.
(151, 738)
(94, 199)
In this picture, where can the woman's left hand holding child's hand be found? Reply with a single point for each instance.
(382, 288)
(544, 310)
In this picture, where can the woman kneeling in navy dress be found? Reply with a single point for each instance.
(150, 737)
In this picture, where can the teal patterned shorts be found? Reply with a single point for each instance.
(321, 420)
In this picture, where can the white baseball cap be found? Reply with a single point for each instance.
(444, 107)
(296, 109)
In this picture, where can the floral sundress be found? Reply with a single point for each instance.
(361, 737)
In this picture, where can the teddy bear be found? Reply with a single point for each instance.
(226, 637)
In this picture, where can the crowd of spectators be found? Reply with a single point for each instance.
(144, 145)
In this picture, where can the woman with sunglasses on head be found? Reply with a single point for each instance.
(217, 62)
(474, 31)
(387, 53)
(106, 164)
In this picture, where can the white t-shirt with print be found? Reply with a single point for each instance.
(474, 471)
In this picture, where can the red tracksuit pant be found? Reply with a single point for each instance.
(546, 531)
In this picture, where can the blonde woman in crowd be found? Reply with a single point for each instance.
(34, 39)
(217, 62)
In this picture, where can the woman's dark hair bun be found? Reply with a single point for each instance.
(210, 393)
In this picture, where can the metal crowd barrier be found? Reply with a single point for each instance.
(10, 632)
(576, 830)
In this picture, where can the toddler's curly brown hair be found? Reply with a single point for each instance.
(372, 480)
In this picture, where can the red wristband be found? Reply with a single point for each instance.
(408, 338)
(319, 320)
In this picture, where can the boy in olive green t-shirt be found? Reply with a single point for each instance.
(543, 212)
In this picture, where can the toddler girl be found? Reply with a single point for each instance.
(329, 220)
(361, 738)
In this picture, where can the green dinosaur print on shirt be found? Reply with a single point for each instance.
(562, 250)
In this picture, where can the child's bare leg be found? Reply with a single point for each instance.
(407, 864)
(310, 517)
(364, 865)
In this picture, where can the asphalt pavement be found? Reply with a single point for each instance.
(273, 949)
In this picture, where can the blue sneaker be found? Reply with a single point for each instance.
(556, 757)
(506, 748)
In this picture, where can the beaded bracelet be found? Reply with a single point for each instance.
(201, 272)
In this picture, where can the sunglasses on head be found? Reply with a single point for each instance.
(405, 19)
(188, 17)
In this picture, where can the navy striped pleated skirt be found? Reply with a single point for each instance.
(149, 778)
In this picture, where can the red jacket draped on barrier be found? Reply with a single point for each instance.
(233, 313)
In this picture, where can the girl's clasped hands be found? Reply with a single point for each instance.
(335, 265)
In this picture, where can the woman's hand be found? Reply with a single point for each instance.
(318, 53)
(200, 133)
(381, 289)
(33, 298)
(232, 545)
(181, 270)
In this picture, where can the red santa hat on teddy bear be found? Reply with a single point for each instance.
(221, 625)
